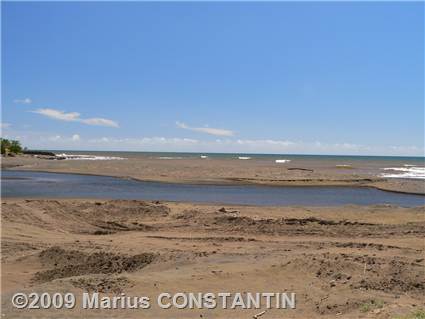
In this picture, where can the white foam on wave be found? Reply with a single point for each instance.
(282, 161)
(405, 172)
(169, 158)
(81, 157)
(244, 157)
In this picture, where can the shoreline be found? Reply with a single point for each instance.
(360, 183)
(208, 204)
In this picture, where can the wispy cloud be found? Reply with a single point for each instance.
(26, 100)
(5, 125)
(221, 145)
(61, 140)
(99, 121)
(74, 117)
(207, 130)
(58, 115)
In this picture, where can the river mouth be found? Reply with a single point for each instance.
(29, 184)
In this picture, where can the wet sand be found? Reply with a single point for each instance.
(233, 171)
(346, 262)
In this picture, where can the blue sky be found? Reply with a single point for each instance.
(315, 78)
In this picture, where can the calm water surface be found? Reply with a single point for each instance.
(50, 185)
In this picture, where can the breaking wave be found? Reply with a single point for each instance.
(407, 171)
(80, 157)
(169, 158)
(282, 161)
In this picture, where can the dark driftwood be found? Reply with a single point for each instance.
(300, 169)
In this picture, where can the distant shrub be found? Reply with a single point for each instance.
(10, 146)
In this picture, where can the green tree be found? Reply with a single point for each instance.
(15, 147)
(5, 145)
(8, 146)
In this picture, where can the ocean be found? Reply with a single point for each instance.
(384, 166)
(419, 160)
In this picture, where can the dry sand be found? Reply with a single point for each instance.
(342, 262)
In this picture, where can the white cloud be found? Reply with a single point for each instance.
(50, 141)
(54, 138)
(42, 140)
(74, 117)
(207, 130)
(27, 100)
(145, 141)
(100, 122)
(5, 125)
(58, 115)
(274, 143)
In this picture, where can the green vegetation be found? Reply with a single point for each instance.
(418, 314)
(371, 305)
(10, 146)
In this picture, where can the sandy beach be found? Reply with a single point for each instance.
(351, 261)
(348, 261)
